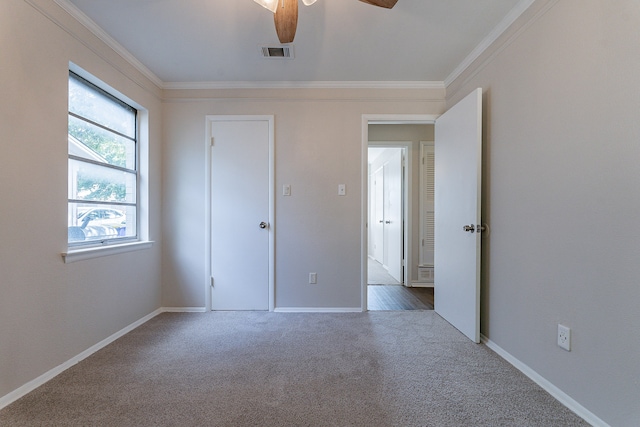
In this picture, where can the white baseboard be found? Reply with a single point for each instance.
(37, 382)
(184, 309)
(554, 391)
(422, 284)
(318, 310)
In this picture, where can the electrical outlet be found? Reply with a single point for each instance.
(564, 337)
(313, 278)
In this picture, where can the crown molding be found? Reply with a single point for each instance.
(95, 29)
(305, 85)
(506, 22)
(89, 24)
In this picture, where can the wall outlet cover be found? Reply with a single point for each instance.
(564, 337)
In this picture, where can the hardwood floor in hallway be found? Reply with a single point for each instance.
(398, 297)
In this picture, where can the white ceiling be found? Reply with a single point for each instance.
(188, 41)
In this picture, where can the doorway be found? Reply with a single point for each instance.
(395, 131)
(457, 210)
(393, 182)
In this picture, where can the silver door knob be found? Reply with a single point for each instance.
(387, 222)
(470, 228)
(263, 224)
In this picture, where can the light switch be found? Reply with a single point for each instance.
(342, 190)
(286, 190)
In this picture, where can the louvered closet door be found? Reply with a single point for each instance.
(427, 215)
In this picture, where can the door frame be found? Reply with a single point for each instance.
(368, 119)
(209, 120)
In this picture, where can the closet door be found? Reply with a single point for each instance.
(378, 222)
(393, 216)
(427, 206)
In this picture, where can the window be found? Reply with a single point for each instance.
(103, 166)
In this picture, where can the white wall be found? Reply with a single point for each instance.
(51, 311)
(562, 149)
(318, 145)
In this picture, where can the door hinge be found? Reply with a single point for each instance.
(212, 141)
(212, 281)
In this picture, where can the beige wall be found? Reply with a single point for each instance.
(561, 181)
(560, 184)
(51, 311)
(318, 145)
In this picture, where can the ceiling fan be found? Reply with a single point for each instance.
(286, 14)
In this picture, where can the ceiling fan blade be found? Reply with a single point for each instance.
(286, 20)
(388, 4)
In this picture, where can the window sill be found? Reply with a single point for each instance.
(95, 252)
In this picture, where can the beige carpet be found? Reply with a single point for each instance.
(274, 369)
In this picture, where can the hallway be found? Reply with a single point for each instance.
(384, 293)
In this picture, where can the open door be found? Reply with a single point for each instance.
(458, 173)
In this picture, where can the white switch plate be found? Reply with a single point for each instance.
(342, 190)
(286, 190)
(313, 278)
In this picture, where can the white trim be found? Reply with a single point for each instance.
(184, 309)
(318, 310)
(304, 84)
(90, 25)
(399, 119)
(207, 196)
(498, 30)
(364, 182)
(554, 391)
(422, 284)
(73, 255)
(42, 379)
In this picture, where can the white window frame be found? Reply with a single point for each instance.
(98, 248)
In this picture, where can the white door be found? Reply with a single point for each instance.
(458, 136)
(240, 214)
(378, 220)
(393, 214)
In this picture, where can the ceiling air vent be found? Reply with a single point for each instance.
(277, 52)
